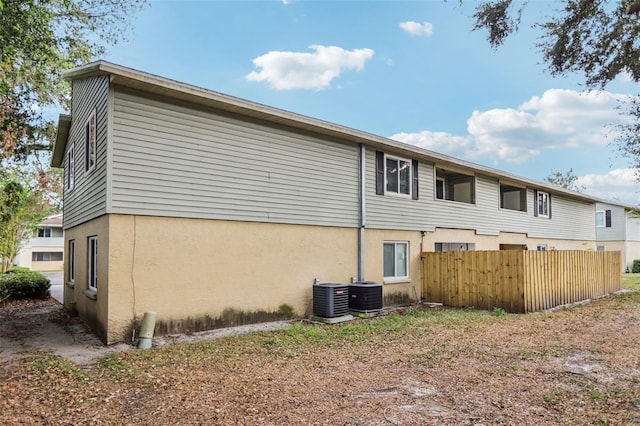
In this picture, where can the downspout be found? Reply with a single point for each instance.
(363, 214)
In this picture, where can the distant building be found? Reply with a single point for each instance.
(44, 251)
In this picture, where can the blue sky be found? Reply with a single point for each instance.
(413, 71)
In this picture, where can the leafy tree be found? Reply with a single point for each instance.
(599, 39)
(567, 180)
(21, 209)
(38, 41)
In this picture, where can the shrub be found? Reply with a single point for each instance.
(18, 270)
(24, 285)
(636, 266)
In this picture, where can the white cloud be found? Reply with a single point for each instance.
(557, 119)
(440, 142)
(616, 185)
(417, 28)
(297, 70)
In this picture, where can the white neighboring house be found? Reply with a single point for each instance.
(44, 251)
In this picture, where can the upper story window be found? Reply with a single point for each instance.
(542, 204)
(396, 176)
(70, 180)
(455, 186)
(90, 143)
(44, 233)
(603, 219)
(513, 198)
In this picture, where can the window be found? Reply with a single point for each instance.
(90, 143)
(93, 263)
(44, 233)
(69, 182)
(396, 176)
(72, 260)
(46, 256)
(543, 204)
(440, 189)
(603, 219)
(513, 198)
(455, 186)
(396, 259)
(441, 247)
(542, 247)
(600, 248)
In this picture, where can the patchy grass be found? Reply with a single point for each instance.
(417, 366)
(631, 281)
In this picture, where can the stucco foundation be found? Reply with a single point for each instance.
(199, 272)
(194, 268)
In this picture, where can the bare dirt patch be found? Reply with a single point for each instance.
(423, 366)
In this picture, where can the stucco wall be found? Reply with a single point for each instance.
(192, 268)
(76, 296)
(487, 242)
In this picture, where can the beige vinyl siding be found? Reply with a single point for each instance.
(87, 199)
(570, 219)
(173, 160)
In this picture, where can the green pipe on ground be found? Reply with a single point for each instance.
(146, 330)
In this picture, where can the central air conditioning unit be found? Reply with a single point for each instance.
(365, 296)
(330, 300)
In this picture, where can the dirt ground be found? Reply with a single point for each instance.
(574, 366)
(43, 326)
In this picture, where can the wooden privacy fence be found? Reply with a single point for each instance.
(519, 281)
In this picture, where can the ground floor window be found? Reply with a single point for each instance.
(46, 256)
(454, 246)
(72, 260)
(396, 259)
(93, 263)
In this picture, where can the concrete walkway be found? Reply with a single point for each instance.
(57, 286)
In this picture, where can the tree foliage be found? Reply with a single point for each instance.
(567, 180)
(21, 209)
(38, 41)
(596, 38)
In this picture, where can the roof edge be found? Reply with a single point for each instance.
(126, 76)
(60, 144)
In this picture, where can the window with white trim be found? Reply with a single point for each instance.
(603, 219)
(396, 176)
(92, 268)
(542, 204)
(44, 233)
(46, 256)
(90, 148)
(72, 260)
(70, 180)
(396, 259)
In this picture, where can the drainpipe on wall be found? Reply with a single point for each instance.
(363, 216)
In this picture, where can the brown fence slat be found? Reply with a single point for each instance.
(519, 281)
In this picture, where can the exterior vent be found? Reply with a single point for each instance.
(365, 296)
(330, 300)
